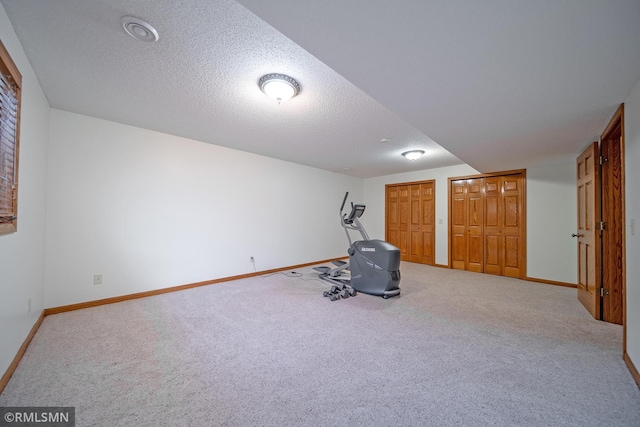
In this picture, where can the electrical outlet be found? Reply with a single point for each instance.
(97, 279)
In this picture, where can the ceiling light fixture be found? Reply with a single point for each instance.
(139, 29)
(279, 87)
(413, 154)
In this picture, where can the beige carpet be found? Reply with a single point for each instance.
(456, 348)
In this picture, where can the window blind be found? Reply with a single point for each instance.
(8, 133)
(10, 91)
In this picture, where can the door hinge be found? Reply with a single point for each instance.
(602, 225)
(604, 292)
(603, 159)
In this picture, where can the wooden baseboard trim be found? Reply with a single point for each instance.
(634, 372)
(551, 282)
(441, 265)
(16, 360)
(112, 300)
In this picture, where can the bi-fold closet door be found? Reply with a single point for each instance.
(410, 220)
(487, 224)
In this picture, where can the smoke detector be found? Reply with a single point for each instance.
(139, 29)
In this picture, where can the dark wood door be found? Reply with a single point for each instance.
(613, 229)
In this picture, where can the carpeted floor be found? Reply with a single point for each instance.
(456, 348)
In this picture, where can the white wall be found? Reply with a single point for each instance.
(149, 210)
(632, 201)
(374, 193)
(22, 253)
(551, 217)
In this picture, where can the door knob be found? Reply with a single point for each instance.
(577, 235)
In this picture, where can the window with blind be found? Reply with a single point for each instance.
(10, 89)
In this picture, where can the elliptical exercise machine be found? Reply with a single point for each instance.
(374, 265)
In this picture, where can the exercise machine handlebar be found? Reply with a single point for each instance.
(343, 202)
(352, 221)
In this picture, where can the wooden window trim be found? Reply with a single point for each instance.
(9, 224)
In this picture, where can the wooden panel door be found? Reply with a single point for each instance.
(422, 237)
(588, 181)
(475, 222)
(487, 224)
(512, 225)
(410, 220)
(404, 210)
(493, 245)
(392, 216)
(428, 225)
(503, 225)
(458, 224)
(415, 221)
(613, 233)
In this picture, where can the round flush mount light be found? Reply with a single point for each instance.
(279, 87)
(413, 154)
(139, 29)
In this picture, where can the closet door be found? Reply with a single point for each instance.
(493, 246)
(428, 202)
(392, 230)
(458, 223)
(396, 214)
(415, 220)
(512, 233)
(475, 224)
(421, 226)
(487, 224)
(410, 220)
(404, 211)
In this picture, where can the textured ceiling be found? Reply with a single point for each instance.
(200, 81)
(500, 84)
